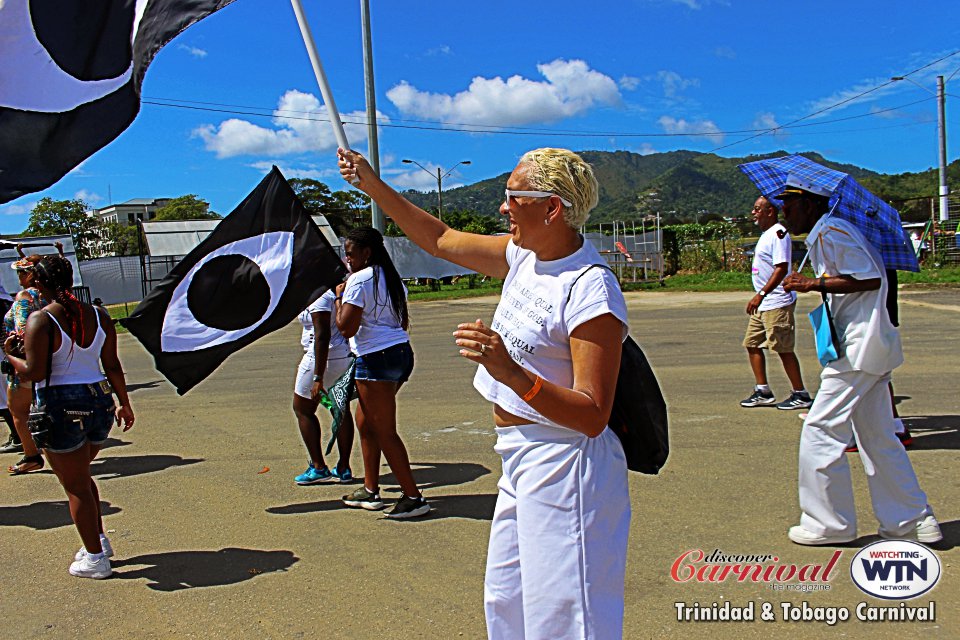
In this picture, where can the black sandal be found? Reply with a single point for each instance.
(35, 462)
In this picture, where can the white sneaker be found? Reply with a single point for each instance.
(104, 544)
(926, 531)
(799, 535)
(87, 568)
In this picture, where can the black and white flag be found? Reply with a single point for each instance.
(70, 77)
(262, 265)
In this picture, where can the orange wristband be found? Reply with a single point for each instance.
(534, 390)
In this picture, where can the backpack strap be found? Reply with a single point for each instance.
(582, 273)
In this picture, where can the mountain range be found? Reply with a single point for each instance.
(688, 186)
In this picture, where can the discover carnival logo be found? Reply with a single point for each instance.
(895, 569)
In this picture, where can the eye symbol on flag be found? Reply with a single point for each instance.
(57, 71)
(229, 293)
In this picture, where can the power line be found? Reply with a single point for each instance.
(834, 106)
(470, 128)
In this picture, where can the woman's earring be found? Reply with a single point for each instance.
(546, 221)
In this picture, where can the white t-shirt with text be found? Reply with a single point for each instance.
(535, 320)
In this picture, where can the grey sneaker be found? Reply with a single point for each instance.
(363, 499)
(797, 400)
(759, 399)
(409, 508)
(87, 568)
(926, 531)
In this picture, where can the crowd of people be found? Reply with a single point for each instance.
(547, 363)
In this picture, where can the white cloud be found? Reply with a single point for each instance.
(18, 209)
(88, 196)
(645, 149)
(306, 129)
(724, 51)
(194, 51)
(570, 88)
(442, 50)
(673, 83)
(769, 121)
(697, 128)
(413, 177)
(850, 92)
(629, 83)
(307, 171)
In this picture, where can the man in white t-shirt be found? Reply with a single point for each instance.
(853, 400)
(771, 324)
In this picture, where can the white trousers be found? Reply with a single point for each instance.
(854, 403)
(558, 542)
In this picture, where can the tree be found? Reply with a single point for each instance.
(123, 238)
(51, 217)
(342, 209)
(188, 207)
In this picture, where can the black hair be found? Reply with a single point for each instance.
(370, 238)
(56, 274)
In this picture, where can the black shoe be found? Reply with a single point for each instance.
(759, 399)
(409, 508)
(797, 400)
(11, 447)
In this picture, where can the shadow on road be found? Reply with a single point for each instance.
(178, 570)
(111, 443)
(44, 515)
(934, 432)
(126, 466)
(430, 475)
(473, 507)
(143, 385)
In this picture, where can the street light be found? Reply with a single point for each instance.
(942, 136)
(440, 176)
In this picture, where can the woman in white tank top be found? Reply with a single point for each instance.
(67, 342)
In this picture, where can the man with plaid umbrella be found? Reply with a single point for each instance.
(853, 400)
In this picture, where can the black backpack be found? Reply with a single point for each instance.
(639, 416)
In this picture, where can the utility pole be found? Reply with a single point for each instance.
(376, 216)
(942, 135)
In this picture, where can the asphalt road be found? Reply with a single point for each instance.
(214, 540)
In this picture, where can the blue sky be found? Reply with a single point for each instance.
(632, 75)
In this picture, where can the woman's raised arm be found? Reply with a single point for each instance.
(485, 254)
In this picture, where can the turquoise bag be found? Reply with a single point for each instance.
(825, 333)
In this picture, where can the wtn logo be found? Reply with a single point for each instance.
(895, 569)
(903, 570)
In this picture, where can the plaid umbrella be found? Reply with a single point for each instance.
(877, 221)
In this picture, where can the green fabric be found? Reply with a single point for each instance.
(337, 399)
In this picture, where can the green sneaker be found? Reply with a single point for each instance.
(363, 499)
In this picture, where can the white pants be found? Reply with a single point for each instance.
(303, 385)
(558, 542)
(855, 403)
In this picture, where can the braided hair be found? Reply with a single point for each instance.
(370, 238)
(56, 274)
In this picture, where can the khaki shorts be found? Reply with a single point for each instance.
(773, 329)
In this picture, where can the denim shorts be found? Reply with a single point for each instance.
(80, 413)
(393, 364)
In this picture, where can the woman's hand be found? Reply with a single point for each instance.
(8, 344)
(316, 390)
(354, 168)
(485, 347)
(338, 292)
(125, 417)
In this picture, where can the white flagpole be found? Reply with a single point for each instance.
(321, 76)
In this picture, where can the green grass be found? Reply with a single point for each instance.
(949, 276)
